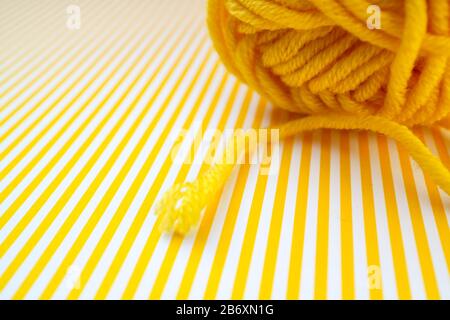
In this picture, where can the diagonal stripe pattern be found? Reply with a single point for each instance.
(88, 118)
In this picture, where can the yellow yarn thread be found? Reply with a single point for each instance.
(318, 58)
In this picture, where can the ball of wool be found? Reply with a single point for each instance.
(323, 60)
(320, 56)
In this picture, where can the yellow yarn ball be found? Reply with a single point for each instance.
(324, 60)
(319, 56)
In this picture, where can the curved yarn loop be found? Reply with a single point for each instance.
(317, 58)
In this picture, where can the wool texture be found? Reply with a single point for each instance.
(320, 60)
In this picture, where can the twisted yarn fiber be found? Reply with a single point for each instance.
(319, 59)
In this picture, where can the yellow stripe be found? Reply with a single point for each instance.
(49, 93)
(46, 83)
(176, 241)
(39, 120)
(420, 235)
(35, 85)
(139, 220)
(249, 238)
(232, 212)
(200, 242)
(373, 258)
(323, 212)
(440, 145)
(197, 249)
(53, 122)
(26, 75)
(347, 255)
(119, 214)
(49, 59)
(50, 165)
(395, 232)
(273, 240)
(81, 239)
(109, 195)
(155, 234)
(140, 217)
(439, 211)
(298, 233)
(153, 239)
(69, 191)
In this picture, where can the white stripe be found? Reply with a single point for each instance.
(334, 276)
(359, 237)
(308, 269)
(409, 243)
(384, 240)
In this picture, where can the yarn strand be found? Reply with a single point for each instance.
(180, 208)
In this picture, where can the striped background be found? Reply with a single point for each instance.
(87, 120)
